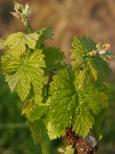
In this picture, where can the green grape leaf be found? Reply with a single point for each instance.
(52, 132)
(63, 101)
(10, 63)
(27, 74)
(54, 59)
(16, 43)
(90, 66)
(80, 48)
(12, 80)
(34, 111)
(31, 40)
(72, 105)
(69, 150)
(92, 101)
(82, 121)
(84, 77)
(95, 99)
(83, 44)
(101, 66)
(92, 70)
(23, 85)
(45, 33)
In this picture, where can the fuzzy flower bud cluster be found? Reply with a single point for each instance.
(103, 51)
(22, 13)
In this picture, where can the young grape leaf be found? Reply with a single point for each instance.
(80, 48)
(86, 60)
(45, 33)
(82, 121)
(92, 100)
(23, 85)
(69, 150)
(52, 132)
(34, 111)
(27, 74)
(54, 59)
(95, 99)
(10, 63)
(63, 101)
(101, 66)
(16, 43)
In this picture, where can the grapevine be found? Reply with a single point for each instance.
(60, 100)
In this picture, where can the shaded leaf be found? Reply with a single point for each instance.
(54, 59)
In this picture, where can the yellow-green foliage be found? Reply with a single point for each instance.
(56, 94)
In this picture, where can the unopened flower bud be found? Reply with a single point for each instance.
(18, 7)
(27, 10)
(101, 52)
(98, 45)
(106, 46)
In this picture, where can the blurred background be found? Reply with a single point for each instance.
(68, 19)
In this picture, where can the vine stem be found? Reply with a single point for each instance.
(28, 28)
